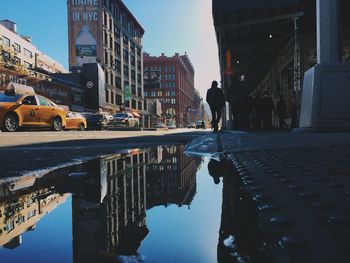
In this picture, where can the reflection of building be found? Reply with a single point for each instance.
(20, 213)
(118, 224)
(107, 32)
(173, 179)
(175, 88)
(108, 199)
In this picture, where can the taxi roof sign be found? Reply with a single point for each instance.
(14, 88)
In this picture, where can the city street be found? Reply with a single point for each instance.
(26, 151)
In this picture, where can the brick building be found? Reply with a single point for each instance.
(171, 80)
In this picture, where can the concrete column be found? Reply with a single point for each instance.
(328, 36)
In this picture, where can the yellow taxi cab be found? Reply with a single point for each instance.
(21, 107)
(75, 121)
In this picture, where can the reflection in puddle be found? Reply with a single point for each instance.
(110, 196)
(141, 205)
(240, 240)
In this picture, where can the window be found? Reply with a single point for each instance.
(27, 65)
(139, 78)
(133, 104)
(16, 61)
(118, 99)
(27, 53)
(133, 75)
(112, 97)
(20, 220)
(126, 71)
(126, 55)
(117, 33)
(145, 93)
(139, 106)
(133, 89)
(31, 214)
(44, 102)
(16, 47)
(10, 226)
(139, 91)
(107, 95)
(5, 41)
(160, 94)
(125, 40)
(118, 82)
(117, 50)
(30, 100)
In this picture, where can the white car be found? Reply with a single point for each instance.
(125, 120)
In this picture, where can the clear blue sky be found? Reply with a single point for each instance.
(170, 26)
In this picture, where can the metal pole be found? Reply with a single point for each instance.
(297, 74)
(328, 36)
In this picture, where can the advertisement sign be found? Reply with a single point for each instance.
(85, 37)
(127, 92)
(151, 78)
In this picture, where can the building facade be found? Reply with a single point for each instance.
(106, 32)
(21, 62)
(171, 81)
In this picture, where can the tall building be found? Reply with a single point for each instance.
(106, 32)
(171, 80)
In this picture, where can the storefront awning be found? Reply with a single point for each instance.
(135, 114)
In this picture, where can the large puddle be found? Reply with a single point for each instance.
(143, 205)
(140, 205)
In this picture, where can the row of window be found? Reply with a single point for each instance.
(116, 99)
(21, 219)
(160, 93)
(167, 69)
(7, 42)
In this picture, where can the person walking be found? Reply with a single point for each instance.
(216, 100)
(281, 112)
(267, 107)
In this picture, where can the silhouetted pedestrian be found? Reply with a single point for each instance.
(281, 108)
(238, 97)
(266, 108)
(216, 100)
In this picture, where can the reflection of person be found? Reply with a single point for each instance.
(215, 169)
(239, 235)
(216, 100)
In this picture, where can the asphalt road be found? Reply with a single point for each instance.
(27, 151)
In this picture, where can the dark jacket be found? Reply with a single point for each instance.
(215, 98)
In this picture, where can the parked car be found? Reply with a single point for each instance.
(171, 126)
(160, 126)
(97, 121)
(124, 120)
(191, 125)
(21, 107)
(200, 124)
(75, 121)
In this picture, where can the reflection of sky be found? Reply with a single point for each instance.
(171, 26)
(51, 241)
(178, 234)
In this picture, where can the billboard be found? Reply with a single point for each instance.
(151, 78)
(84, 31)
